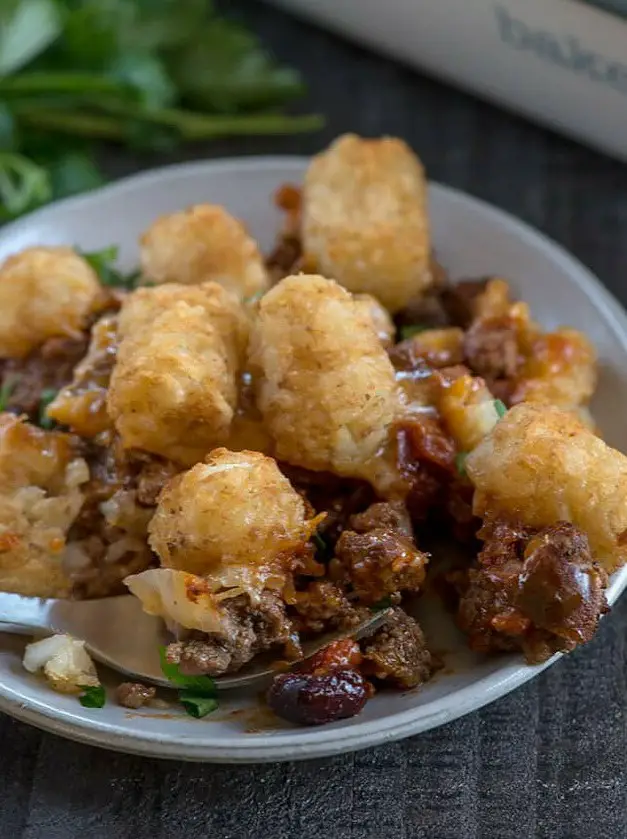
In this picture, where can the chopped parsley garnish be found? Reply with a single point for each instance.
(8, 386)
(382, 604)
(320, 543)
(93, 696)
(47, 396)
(197, 694)
(460, 463)
(411, 330)
(500, 408)
(197, 706)
(103, 261)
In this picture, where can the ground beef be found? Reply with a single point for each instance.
(154, 473)
(426, 461)
(459, 300)
(110, 552)
(286, 256)
(250, 629)
(339, 498)
(379, 564)
(427, 311)
(134, 695)
(398, 653)
(491, 349)
(322, 606)
(50, 367)
(387, 515)
(540, 592)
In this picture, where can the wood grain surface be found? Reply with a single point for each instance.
(549, 760)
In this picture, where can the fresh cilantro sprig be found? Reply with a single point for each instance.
(197, 694)
(149, 75)
(103, 263)
(93, 696)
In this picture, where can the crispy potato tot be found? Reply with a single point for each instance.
(46, 293)
(173, 391)
(468, 409)
(199, 244)
(380, 317)
(540, 465)
(327, 392)
(234, 518)
(40, 498)
(365, 221)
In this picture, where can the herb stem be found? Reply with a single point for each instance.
(76, 123)
(189, 124)
(36, 84)
(193, 125)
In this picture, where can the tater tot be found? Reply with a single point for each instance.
(173, 389)
(234, 511)
(540, 465)
(140, 308)
(203, 243)
(380, 317)
(365, 221)
(46, 292)
(327, 391)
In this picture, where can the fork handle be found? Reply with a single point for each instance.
(24, 613)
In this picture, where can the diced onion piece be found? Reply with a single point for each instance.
(65, 662)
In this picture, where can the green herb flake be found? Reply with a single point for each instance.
(93, 696)
(47, 396)
(460, 463)
(103, 261)
(382, 604)
(320, 543)
(409, 331)
(500, 408)
(8, 386)
(199, 686)
(197, 706)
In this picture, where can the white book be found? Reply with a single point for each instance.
(560, 62)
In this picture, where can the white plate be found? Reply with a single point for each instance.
(472, 239)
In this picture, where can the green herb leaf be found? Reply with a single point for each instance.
(23, 185)
(73, 173)
(102, 262)
(147, 74)
(27, 28)
(382, 604)
(224, 68)
(8, 386)
(460, 463)
(500, 408)
(202, 686)
(409, 331)
(47, 396)
(320, 542)
(197, 706)
(93, 696)
(9, 136)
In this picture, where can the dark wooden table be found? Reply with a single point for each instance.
(547, 761)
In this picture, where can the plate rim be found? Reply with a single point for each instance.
(328, 740)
